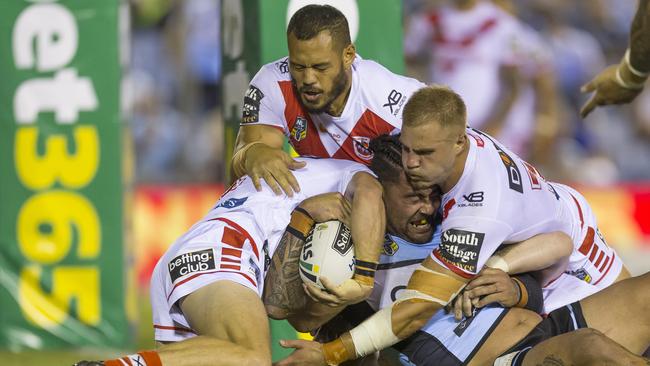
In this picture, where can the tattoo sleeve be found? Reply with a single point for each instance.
(283, 292)
(640, 37)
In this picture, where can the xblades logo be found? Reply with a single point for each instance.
(474, 199)
(393, 98)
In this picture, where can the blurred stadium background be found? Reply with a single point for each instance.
(118, 121)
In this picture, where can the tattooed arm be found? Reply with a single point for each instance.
(284, 296)
(283, 292)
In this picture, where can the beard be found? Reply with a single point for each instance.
(338, 87)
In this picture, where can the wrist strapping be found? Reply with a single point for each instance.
(339, 350)
(626, 84)
(239, 158)
(530, 293)
(142, 358)
(301, 223)
(364, 272)
(632, 69)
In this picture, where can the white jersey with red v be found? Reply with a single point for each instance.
(502, 199)
(374, 107)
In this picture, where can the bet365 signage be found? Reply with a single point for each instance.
(61, 257)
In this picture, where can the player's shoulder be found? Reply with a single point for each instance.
(383, 91)
(376, 77)
(273, 72)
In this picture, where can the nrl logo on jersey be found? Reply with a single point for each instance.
(390, 247)
(299, 130)
(362, 147)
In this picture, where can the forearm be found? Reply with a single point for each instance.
(208, 351)
(368, 223)
(430, 288)
(537, 253)
(640, 38)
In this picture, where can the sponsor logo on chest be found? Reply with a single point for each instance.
(461, 248)
(192, 262)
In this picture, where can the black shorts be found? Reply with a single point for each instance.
(563, 320)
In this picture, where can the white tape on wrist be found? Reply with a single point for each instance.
(498, 262)
(374, 334)
(626, 84)
(636, 72)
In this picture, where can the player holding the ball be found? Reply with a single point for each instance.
(206, 289)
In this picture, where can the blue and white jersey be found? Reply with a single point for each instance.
(443, 340)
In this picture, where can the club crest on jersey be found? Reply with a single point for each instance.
(299, 130)
(192, 262)
(362, 147)
(390, 247)
(231, 203)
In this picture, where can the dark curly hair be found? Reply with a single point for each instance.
(387, 160)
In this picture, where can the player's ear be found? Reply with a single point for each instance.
(349, 53)
(460, 143)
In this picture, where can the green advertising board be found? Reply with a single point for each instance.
(253, 34)
(62, 273)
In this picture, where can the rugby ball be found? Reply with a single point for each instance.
(328, 252)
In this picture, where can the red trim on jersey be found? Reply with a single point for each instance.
(448, 206)
(231, 251)
(593, 253)
(252, 281)
(588, 242)
(451, 267)
(178, 329)
(311, 144)
(233, 237)
(241, 231)
(600, 258)
(356, 146)
(607, 271)
(479, 140)
(582, 221)
(607, 259)
(230, 266)
(225, 259)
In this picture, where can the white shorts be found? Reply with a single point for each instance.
(215, 250)
(594, 265)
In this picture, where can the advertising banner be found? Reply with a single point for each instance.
(62, 273)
